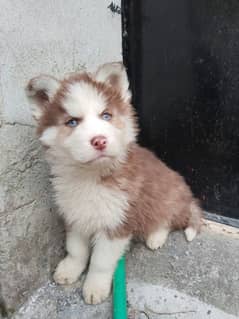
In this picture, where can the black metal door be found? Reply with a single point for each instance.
(183, 63)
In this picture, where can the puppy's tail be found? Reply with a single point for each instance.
(195, 221)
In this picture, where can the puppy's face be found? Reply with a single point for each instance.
(86, 117)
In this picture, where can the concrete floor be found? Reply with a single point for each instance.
(181, 281)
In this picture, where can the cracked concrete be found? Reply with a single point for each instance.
(30, 232)
(38, 37)
(18, 123)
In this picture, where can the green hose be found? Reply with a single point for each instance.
(119, 291)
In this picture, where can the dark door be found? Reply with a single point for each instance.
(183, 63)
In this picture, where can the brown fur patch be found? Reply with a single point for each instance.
(157, 195)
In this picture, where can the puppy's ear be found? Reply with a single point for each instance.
(40, 91)
(114, 74)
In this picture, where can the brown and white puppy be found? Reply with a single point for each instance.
(107, 187)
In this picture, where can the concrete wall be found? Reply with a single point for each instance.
(52, 37)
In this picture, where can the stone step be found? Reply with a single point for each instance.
(181, 280)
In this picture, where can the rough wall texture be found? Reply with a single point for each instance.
(52, 37)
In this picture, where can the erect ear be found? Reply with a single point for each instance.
(115, 75)
(40, 91)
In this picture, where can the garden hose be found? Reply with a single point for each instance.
(119, 291)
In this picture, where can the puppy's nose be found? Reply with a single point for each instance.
(99, 142)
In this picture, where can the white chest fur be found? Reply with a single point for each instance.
(89, 204)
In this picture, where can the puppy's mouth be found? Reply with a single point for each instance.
(99, 158)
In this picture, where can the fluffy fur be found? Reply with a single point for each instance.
(108, 195)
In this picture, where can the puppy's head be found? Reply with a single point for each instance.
(86, 117)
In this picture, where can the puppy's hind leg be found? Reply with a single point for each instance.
(157, 239)
(195, 221)
(190, 233)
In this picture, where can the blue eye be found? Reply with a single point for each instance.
(106, 116)
(72, 122)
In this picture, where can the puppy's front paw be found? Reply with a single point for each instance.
(96, 291)
(67, 271)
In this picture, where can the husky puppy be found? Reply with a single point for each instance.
(108, 188)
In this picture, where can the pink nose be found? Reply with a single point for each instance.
(99, 142)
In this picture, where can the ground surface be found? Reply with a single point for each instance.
(181, 281)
